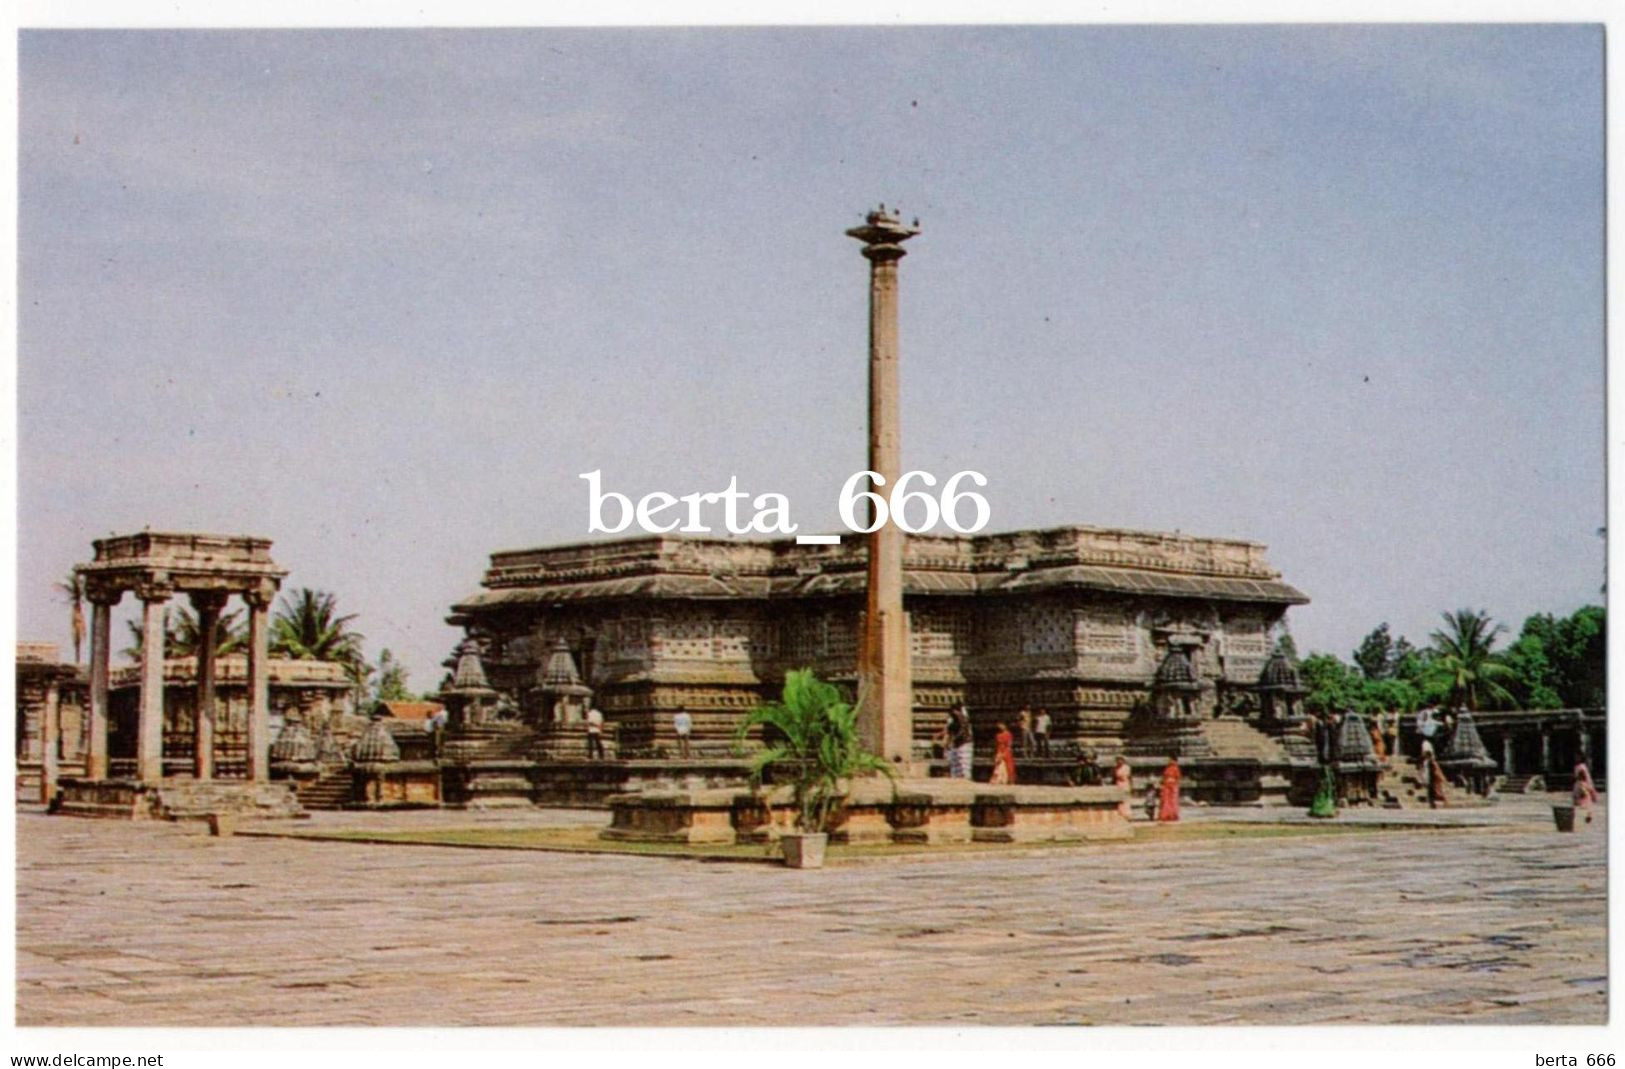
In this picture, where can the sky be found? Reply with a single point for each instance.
(382, 296)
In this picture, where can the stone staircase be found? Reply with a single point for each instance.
(1402, 787)
(331, 790)
(1235, 738)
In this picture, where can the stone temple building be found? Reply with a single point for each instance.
(1082, 621)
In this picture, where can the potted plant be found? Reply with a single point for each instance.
(812, 745)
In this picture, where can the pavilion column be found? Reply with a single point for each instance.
(1545, 752)
(101, 620)
(149, 761)
(259, 683)
(1507, 768)
(208, 605)
(50, 740)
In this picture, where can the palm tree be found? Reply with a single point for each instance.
(229, 635)
(1466, 651)
(73, 590)
(172, 644)
(815, 746)
(307, 627)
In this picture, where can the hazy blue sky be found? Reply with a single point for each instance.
(381, 296)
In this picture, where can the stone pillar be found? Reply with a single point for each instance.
(208, 605)
(50, 736)
(1507, 764)
(259, 683)
(101, 622)
(149, 753)
(1545, 752)
(885, 681)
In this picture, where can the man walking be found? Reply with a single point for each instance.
(1041, 729)
(961, 747)
(595, 734)
(683, 724)
(1029, 741)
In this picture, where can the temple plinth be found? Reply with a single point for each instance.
(885, 685)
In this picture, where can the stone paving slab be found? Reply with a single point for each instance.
(151, 924)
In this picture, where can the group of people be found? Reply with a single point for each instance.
(958, 742)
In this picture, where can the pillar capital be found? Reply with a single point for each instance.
(103, 594)
(883, 234)
(208, 600)
(261, 595)
(155, 589)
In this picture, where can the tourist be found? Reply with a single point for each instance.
(1434, 776)
(1004, 759)
(435, 727)
(1390, 729)
(1168, 803)
(960, 742)
(1029, 741)
(595, 734)
(683, 725)
(1087, 774)
(1320, 724)
(1041, 729)
(1377, 743)
(1427, 725)
(1123, 777)
(1153, 800)
(1585, 791)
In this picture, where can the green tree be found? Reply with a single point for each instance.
(1465, 649)
(1331, 684)
(308, 627)
(813, 743)
(1532, 671)
(230, 633)
(1375, 654)
(138, 637)
(1574, 652)
(391, 683)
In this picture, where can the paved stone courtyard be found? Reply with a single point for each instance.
(122, 924)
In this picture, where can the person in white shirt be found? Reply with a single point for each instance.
(1041, 730)
(595, 734)
(683, 724)
(1427, 725)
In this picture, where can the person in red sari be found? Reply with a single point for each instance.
(1585, 791)
(1169, 807)
(1004, 757)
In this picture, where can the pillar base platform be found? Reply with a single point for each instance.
(931, 812)
(175, 799)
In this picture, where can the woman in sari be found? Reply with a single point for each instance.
(1124, 780)
(1437, 784)
(1585, 792)
(1004, 758)
(1377, 743)
(1168, 809)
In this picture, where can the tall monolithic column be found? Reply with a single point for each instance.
(101, 622)
(259, 683)
(884, 680)
(208, 605)
(149, 760)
